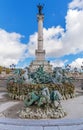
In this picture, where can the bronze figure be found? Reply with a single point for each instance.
(40, 7)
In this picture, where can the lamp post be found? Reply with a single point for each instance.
(67, 68)
(82, 66)
(12, 66)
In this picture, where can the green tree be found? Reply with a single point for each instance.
(1, 68)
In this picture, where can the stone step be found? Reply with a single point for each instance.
(61, 124)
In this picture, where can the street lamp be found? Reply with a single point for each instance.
(12, 66)
(82, 66)
(67, 67)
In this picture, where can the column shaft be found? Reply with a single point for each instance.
(40, 32)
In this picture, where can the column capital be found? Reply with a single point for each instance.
(40, 17)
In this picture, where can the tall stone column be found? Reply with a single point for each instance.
(40, 31)
(40, 53)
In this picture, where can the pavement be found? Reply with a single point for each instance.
(73, 107)
(5, 104)
(2, 94)
(73, 120)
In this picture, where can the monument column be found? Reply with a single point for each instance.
(40, 31)
(40, 53)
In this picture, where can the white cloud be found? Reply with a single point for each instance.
(76, 4)
(73, 39)
(51, 41)
(11, 49)
(32, 45)
(58, 42)
(77, 63)
(58, 63)
(61, 63)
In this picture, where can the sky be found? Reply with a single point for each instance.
(62, 32)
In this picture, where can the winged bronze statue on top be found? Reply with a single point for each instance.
(40, 7)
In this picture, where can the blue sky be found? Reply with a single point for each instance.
(18, 31)
(20, 15)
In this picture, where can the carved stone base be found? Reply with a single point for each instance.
(37, 63)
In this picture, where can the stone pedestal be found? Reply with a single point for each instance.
(37, 63)
(40, 55)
